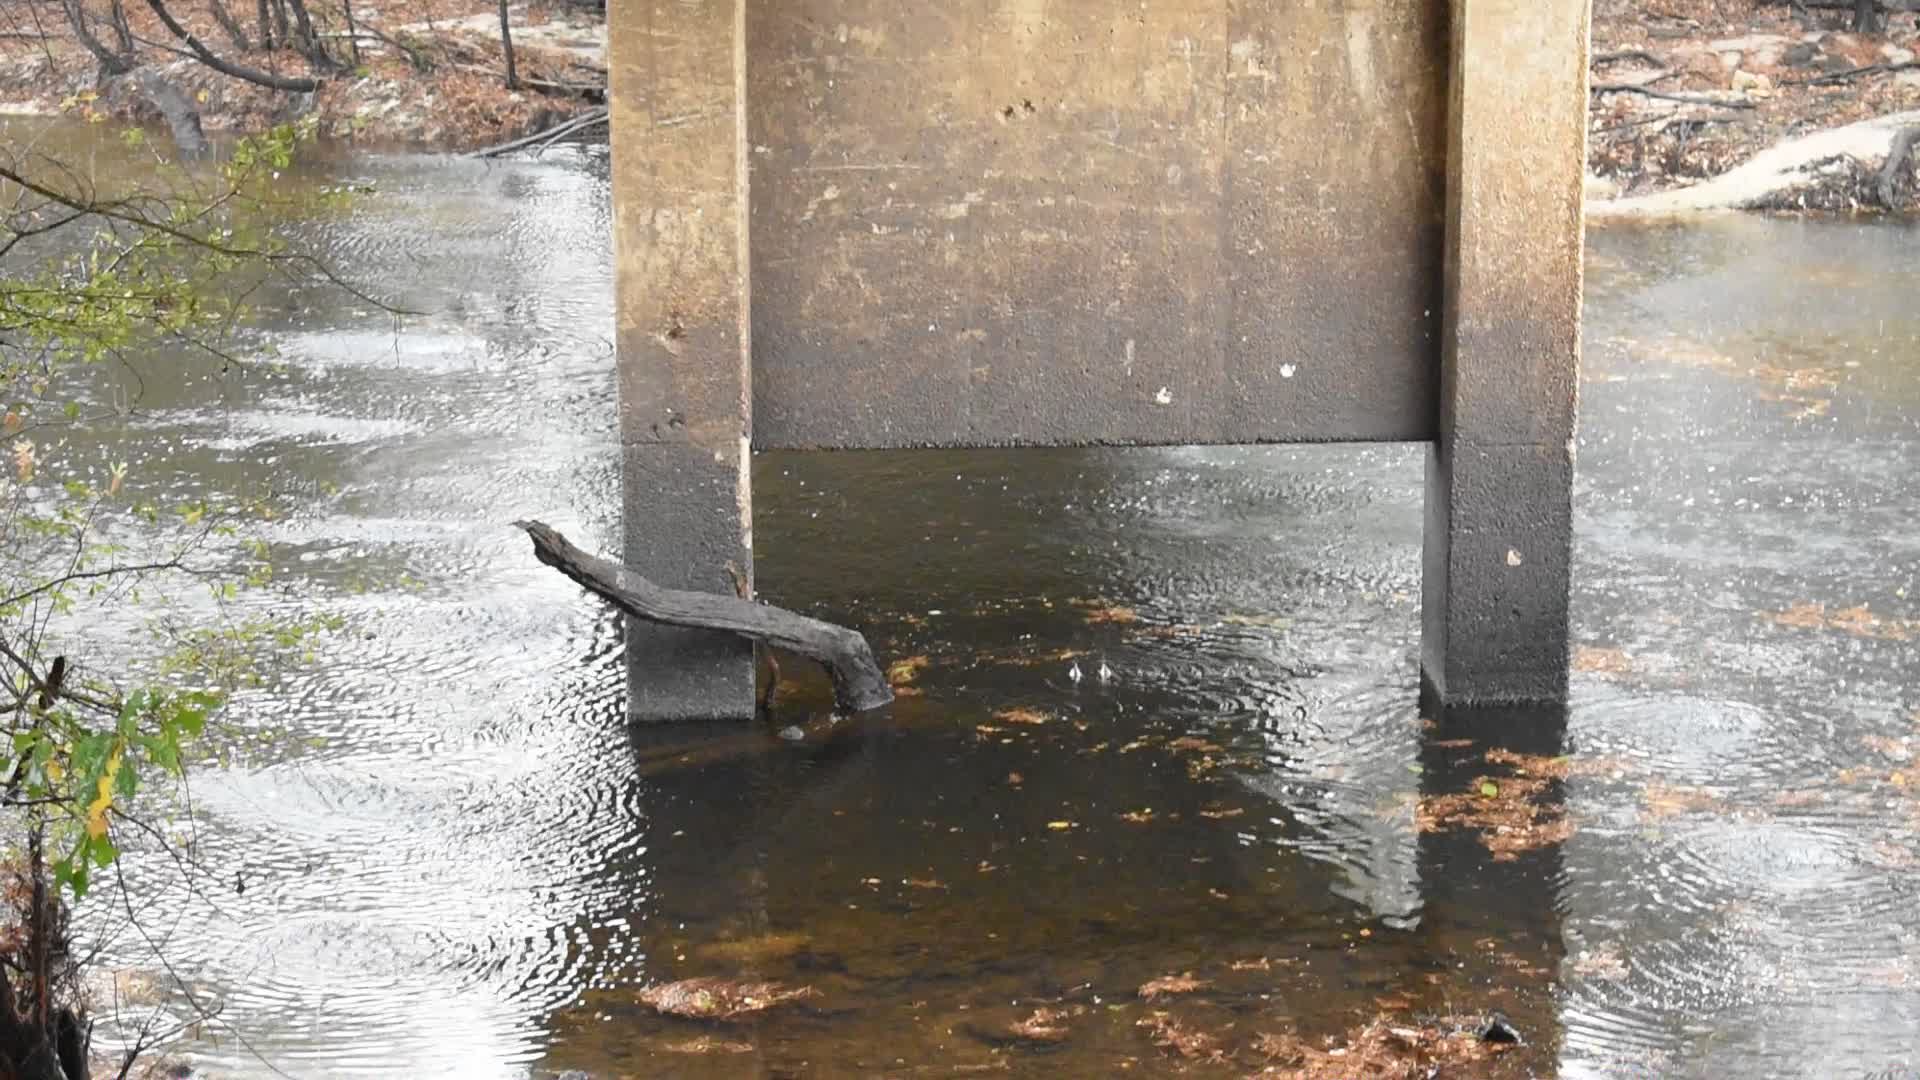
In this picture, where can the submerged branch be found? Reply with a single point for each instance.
(858, 684)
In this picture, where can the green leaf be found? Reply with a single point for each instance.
(1489, 789)
(103, 851)
(137, 702)
(126, 780)
(89, 757)
(71, 873)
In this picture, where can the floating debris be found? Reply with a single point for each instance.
(1168, 985)
(1511, 813)
(902, 672)
(1045, 1025)
(710, 998)
(1498, 1029)
(1171, 1035)
(1383, 1049)
(707, 1044)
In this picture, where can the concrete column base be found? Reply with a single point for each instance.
(1499, 536)
(685, 522)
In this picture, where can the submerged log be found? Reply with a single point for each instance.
(858, 684)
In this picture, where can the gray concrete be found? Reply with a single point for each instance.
(1499, 478)
(680, 258)
(1082, 222)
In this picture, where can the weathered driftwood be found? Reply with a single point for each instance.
(1896, 169)
(858, 684)
(549, 135)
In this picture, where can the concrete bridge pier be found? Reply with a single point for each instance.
(1248, 221)
(683, 337)
(1499, 528)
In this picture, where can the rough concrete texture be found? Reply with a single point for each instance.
(1060, 222)
(1494, 588)
(1518, 135)
(1499, 480)
(680, 249)
(682, 529)
(1078, 221)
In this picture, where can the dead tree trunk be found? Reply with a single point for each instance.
(226, 67)
(235, 32)
(858, 684)
(122, 33)
(305, 41)
(1898, 169)
(182, 117)
(111, 62)
(506, 43)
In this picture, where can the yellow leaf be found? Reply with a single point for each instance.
(902, 672)
(1059, 825)
(201, 97)
(97, 809)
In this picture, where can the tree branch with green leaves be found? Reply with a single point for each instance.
(94, 743)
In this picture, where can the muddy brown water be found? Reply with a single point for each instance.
(459, 860)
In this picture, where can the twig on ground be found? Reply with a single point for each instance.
(548, 136)
(1835, 77)
(1669, 95)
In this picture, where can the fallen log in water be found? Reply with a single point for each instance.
(858, 684)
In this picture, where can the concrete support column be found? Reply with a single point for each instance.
(677, 89)
(1499, 508)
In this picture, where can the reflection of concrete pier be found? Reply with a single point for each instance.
(1490, 911)
(1078, 223)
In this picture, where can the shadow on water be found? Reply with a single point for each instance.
(460, 860)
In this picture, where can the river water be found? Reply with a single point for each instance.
(452, 856)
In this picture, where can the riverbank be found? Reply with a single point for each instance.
(1740, 104)
(1698, 104)
(418, 75)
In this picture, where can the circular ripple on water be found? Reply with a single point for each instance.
(391, 867)
(1721, 899)
(1677, 738)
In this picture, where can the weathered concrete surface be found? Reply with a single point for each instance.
(1078, 221)
(1060, 222)
(1499, 508)
(680, 222)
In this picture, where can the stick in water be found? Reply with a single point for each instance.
(858, 684)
